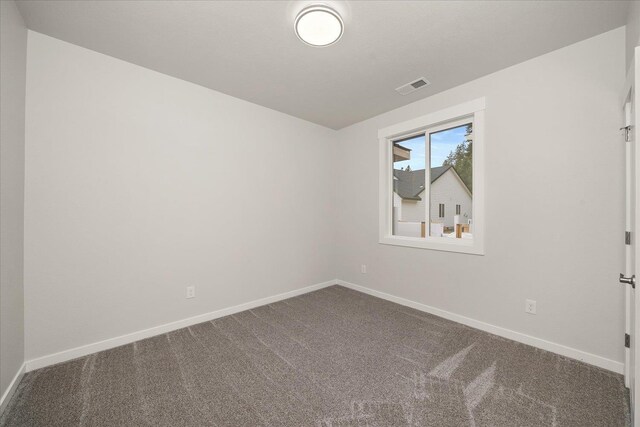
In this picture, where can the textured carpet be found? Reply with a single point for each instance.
(334, 357)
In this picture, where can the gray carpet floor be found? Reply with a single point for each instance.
(334, 357)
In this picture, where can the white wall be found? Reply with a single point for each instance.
(554, 203)
(632, 31)
(13, 52)
(139, 184)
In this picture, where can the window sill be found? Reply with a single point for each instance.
(464, 246)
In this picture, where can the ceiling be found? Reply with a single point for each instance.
(248, 49)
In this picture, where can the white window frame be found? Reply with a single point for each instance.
(427, 124)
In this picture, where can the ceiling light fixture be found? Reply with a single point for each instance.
(319, 26)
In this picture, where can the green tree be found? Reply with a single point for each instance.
(462, 159)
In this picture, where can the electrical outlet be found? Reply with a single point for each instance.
(191, 291)
(530, 306)
(363, 269)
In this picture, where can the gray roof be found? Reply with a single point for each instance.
(409, 184)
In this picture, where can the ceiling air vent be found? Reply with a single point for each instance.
(412, 86)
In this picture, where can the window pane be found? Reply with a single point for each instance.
(409, 198)
(451, 182)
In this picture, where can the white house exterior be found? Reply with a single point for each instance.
(409, 199)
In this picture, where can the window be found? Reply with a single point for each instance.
(427, 164)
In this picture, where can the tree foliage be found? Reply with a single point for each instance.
(461, 159)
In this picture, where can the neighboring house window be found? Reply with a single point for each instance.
(427, 163)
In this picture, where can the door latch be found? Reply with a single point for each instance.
(627, 340)
(627, 133)
(628, 280)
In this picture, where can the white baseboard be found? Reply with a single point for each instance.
(13, 385)
(74, 353)
(560, 349)
(84, 350)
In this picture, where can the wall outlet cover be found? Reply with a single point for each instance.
(191, 291)
(530, 306)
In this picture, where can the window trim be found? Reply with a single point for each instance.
(474, 108)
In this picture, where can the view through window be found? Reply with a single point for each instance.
(437, 200)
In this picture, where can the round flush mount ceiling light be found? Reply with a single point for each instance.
(319, 26)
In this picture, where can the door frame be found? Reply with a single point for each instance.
(632, 258)
(634, 74)
(629, 266)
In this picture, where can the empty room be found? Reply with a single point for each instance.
(319, 213)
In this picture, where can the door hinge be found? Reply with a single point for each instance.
(627, 340)
(627, 237)
(627, 133)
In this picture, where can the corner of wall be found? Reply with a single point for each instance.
(13, 50)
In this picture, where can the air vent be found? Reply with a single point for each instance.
(412, 86)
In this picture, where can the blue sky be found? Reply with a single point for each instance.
(442, 143)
